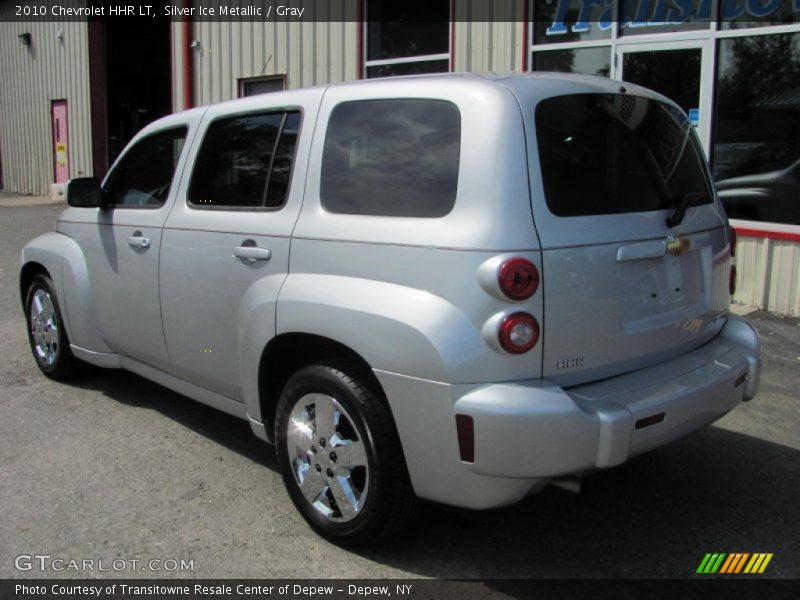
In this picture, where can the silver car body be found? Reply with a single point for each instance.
(418, 299)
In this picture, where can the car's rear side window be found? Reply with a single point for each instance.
(395, 157)
(616, 153)
(245, 162)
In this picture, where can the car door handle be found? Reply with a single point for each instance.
(139, 242)
(252, 253)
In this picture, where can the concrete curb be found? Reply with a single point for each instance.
(13, 200)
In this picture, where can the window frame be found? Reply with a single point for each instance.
(109, 179)
(257, 112)
(424, 58)
(241, 82)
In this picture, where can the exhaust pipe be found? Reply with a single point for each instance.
(570, 484)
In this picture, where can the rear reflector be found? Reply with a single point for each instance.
(732, 280)
(466, 437)
(518, 333)
(651, 420)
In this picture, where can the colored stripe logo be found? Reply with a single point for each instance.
(734, 563)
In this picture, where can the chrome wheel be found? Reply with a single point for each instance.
(44, 327)
(328, 457)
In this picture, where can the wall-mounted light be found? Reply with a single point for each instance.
(25, 39)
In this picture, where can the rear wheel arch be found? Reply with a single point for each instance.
(287, 353)
(340, 456)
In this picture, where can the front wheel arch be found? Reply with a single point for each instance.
(57, 363)
(26, 275)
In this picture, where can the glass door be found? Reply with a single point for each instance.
(681, 71)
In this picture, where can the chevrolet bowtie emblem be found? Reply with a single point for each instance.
(677, 245)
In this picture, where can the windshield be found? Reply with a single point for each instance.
(616, 153)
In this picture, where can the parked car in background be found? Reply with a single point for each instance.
(770, 196)
(459, 288)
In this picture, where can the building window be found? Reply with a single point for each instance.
(407, 38)
(644, 17)
(585, 61)
(756, 158)
(739, 14)
(252, 86)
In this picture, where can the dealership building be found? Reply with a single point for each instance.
(76, 91)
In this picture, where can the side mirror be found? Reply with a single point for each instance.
(85, 192)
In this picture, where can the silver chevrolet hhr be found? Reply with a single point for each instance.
(459, 288)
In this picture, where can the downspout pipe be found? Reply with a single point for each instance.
(187, 59)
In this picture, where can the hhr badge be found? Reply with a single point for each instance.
(570, 363)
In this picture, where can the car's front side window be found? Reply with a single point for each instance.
(143, 176)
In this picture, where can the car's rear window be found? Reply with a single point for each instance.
(615, 153)
(396, 157)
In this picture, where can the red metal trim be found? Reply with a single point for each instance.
(187, 59)
(772, 235)
(526, 51)
(452, 35)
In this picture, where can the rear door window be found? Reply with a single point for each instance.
(394, 157)
(606, 154)
(245, 162)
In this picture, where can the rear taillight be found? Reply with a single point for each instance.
(732, 280)
(518, 332)
(518, 278)
(732, 240)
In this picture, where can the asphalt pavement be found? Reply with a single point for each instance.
(113, 467)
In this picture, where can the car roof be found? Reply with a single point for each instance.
(523, 85)
(511, 80)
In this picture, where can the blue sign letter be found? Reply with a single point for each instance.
(731, 10)
(559, 27)
(755, 8)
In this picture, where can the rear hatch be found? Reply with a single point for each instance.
(630, 277)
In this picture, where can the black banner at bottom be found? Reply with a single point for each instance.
(401, 589)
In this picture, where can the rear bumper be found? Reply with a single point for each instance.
(554, 431)
(527, 432)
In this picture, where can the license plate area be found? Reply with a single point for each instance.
(657, 292)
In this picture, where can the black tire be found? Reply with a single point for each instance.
(61, 364)
(388, 499)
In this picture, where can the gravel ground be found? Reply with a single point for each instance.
(113, 466)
